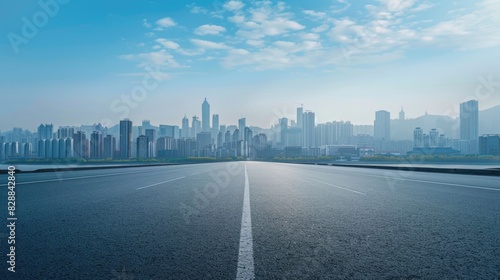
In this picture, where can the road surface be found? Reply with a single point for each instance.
(249, 220)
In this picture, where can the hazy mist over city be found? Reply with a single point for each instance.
(259, 139)
(344, 60)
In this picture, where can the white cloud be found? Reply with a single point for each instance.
(423, 7)
(157, 58)
(160, 76)
(255, 43)
(146, 24)
(209, 29)
(314, 14)
(167, 43)
(204, 44)
(196, 9)
(321, 28)
(165, 23)
(234, 5)
(237, 19)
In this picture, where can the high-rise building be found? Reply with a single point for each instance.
(70, 148)
(195, 126)
(402, 115)
(170, 131)
(204, 140)
(96, 145)
(143, 147)
(151, 134)
(283, 131)
(227, 137)
(308, 131)
(45, 131)
(185, 127)
(215, 124)
(418, 137)
(382, 125)
(79, 145)
(125, 138)
(62, 148)
(205, 116)
(242, 123)
(434, 138)
(300, 117)
(489, 145)
(109, 146)
(65, 132)
(469, 120)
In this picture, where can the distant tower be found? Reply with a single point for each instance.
(300, 117)
(185, 127)
(402, 114)
(195, 126)
(205, 116)
(215, 124)
(382, 125)
(469, 120)
(283, 131)
(308, 132)
(96, 145)
(418, 137)
(242, 123)
(125, 138)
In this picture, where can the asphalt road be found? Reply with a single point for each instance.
(252, 219)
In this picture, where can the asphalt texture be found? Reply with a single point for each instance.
(307, 222)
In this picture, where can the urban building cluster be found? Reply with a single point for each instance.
(301, 137)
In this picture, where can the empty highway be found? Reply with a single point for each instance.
(246, 220)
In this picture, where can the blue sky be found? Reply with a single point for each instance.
(86, 60)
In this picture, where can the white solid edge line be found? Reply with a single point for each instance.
(421, 181)
(161, 183)
(339, 187)
(245, 254)
(413, 180)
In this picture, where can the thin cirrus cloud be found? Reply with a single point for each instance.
(263, 35)
(209, 29)
(204, 44)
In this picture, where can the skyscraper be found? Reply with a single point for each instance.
(300, 117)
(382, 125)
(79, 145)
(109, 146)
(185, 127)
(126, 138)
(418, 137)
(195, 126)
(215, 124)
(45, 131)
(469, 120)
(283, 131)
(143, 147)
(308, 132)
(402, 115)
(205, 116)
(151, 134)
(96, 145)
(242, 123)
(433, 138)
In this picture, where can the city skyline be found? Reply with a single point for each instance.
(248, 58)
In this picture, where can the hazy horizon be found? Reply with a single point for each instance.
(259, 60)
